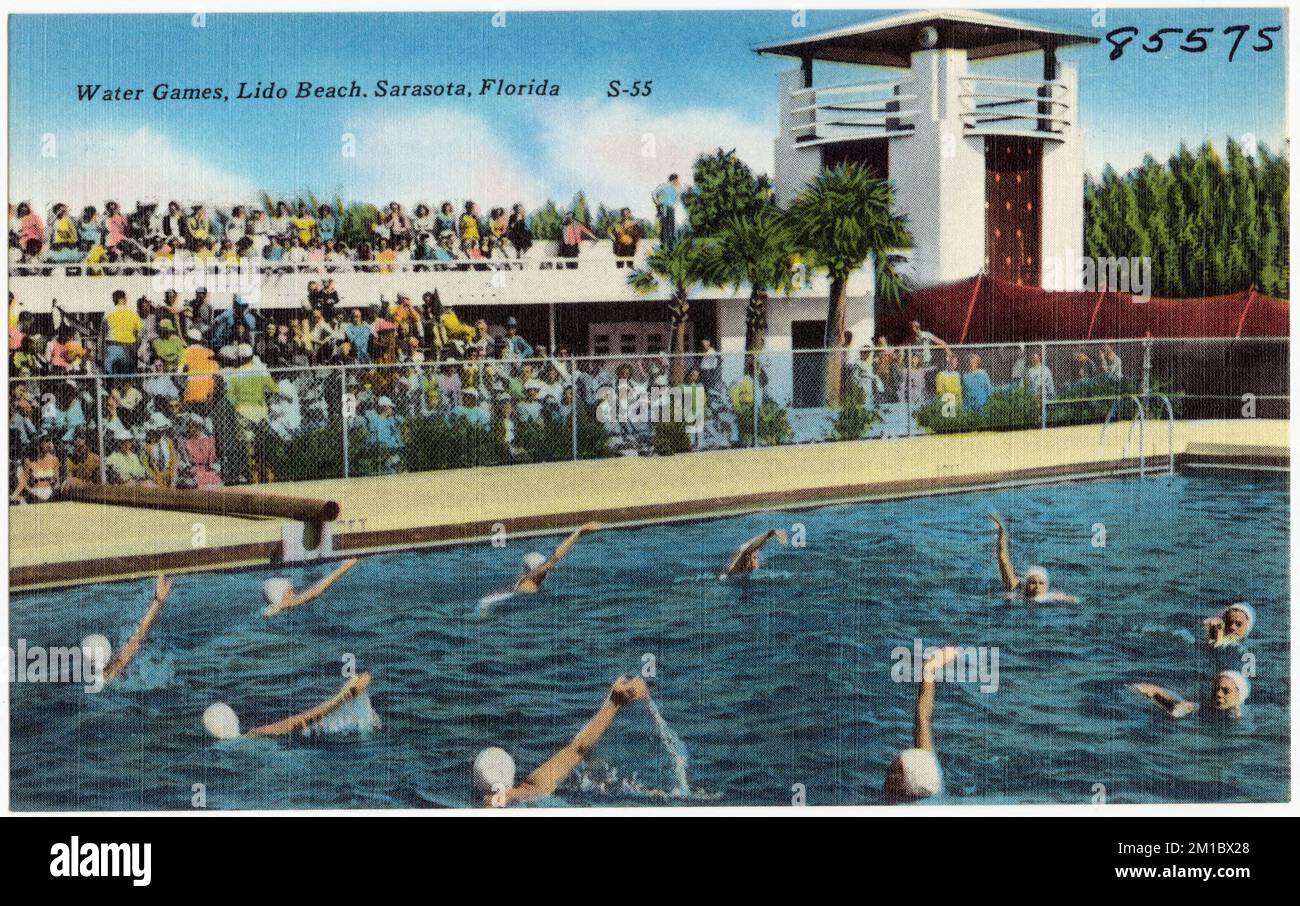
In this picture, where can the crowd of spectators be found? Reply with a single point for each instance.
(289, 236)
(190, 395)
(927, 368)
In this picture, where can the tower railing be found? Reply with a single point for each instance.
(1002, 106)
(849, 112)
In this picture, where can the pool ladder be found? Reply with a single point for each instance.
(1141, 424)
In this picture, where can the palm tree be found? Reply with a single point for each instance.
(755, 249)
(681, 267)
(842, 218)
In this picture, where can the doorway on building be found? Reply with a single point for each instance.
(808, 369)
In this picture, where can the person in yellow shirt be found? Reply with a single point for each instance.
(123, 327)
(65, 239)
(456, 328)
(947, 384)
(198, 226)
(305, 224)
(200, 364)
(470, 237)
(386, 256)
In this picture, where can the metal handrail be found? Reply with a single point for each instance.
(1141, 424)
(1169, 408)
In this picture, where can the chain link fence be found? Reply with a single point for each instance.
(254, 424)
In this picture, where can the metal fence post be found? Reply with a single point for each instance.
(573, 392)
(1042, 393)
(907, 386)
(343, 413)
(99, 421)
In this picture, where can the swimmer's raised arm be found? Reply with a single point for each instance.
(561, 552)
(544, 780)
(922, 735)
(1005, 566)
(351, 689)
(294, 599)
(744, 559)
(162, 588)
(1172, 702)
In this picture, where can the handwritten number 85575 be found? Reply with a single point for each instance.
(1194, 40)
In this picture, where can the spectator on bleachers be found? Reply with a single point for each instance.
(572, 233)
(31, 232)
(40, 475)
(124, 465)
(200, 451)
(517, 231)
(173, 224)
(159, 453)
(82, 462)
(626, 233)
(470, 232)
(281, 221)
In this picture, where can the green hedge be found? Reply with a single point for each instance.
(1018, 408)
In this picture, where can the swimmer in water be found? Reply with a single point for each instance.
(1227, 695)
(1231, 626)
(222, 723)
(536, 566)
(1033, 586)
(494, 768)
(280, 595)
(914, 773)
(746, 558)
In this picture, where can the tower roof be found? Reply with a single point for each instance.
(891, 41)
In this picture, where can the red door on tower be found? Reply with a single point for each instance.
(1013, 195)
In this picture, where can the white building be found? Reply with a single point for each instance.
(988, 170)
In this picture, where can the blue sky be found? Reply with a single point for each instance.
(709, 90)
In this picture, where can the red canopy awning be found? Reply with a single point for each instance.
(984, 310)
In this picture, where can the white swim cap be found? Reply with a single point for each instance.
(1244, 608)
(494, 771)
(532, 561)
(274, 590)
(1238, 680)
(1039, 571)
(221, 721)
(919, 769)
(97, 650)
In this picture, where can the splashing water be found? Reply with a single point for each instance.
(356, 716)
(487, 602)
(603, 779)
(675, 748)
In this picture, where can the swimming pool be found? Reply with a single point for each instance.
(777, 682)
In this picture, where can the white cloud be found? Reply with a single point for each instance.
(601, 147)
(91, 167)
(434, 156)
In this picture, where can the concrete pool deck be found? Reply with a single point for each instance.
(69, 543)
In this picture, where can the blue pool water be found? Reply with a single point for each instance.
(776, 681)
